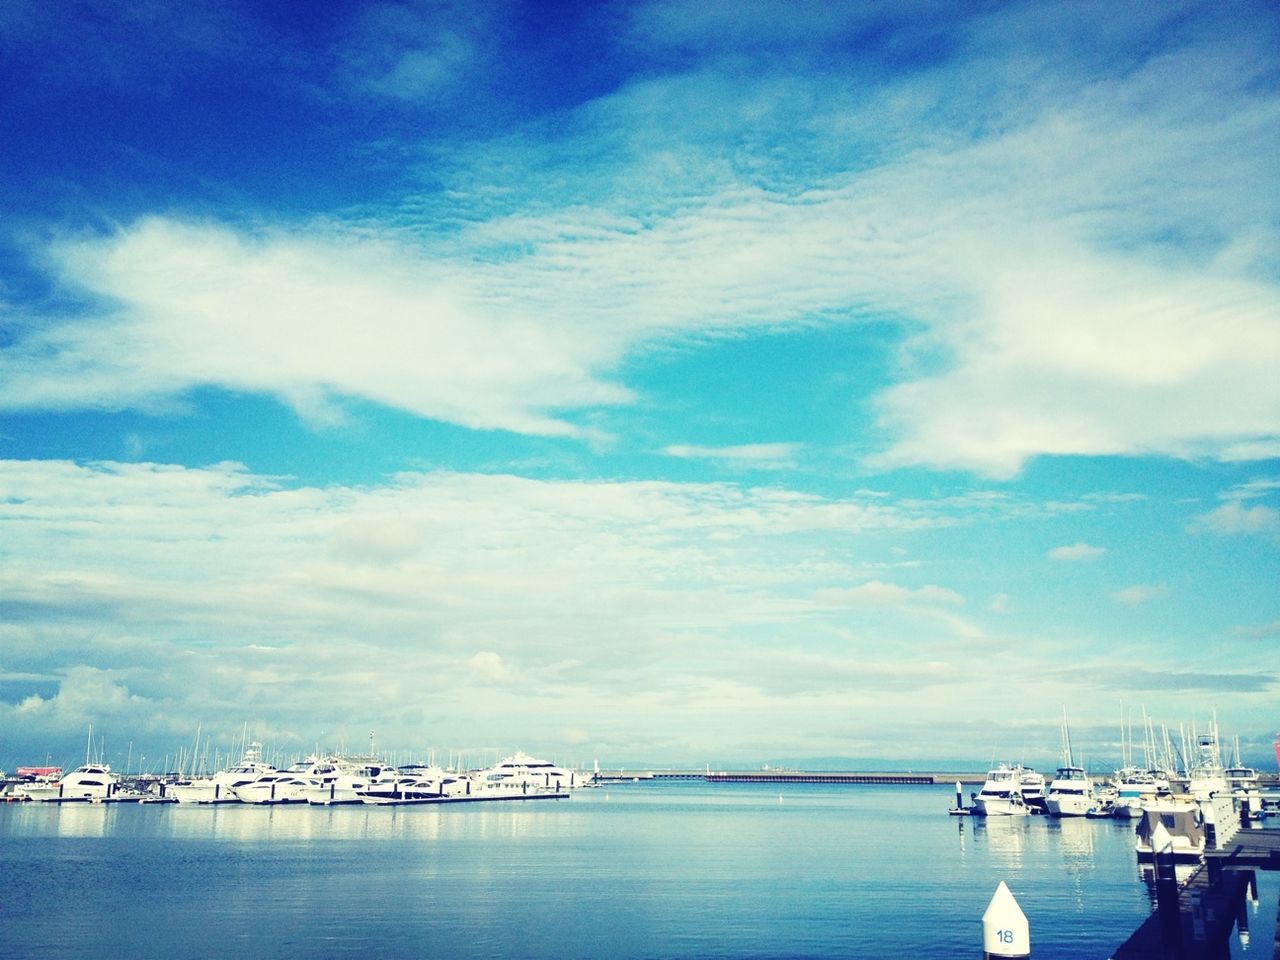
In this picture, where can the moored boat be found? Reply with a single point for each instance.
(1070, 793)
(1071, 790)
(1184, 823)
(1001, 794)
(91, 781)
(279, 786)
(221, 787)
(522, 775)
(1135, 791)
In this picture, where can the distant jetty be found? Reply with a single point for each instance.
(792, 776)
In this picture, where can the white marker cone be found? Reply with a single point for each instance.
(1005, 931)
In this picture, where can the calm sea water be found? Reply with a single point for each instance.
(629, 871)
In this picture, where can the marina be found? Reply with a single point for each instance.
(1195, 841)
(1211, 894)
(641, 869)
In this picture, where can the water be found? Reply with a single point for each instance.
(670, 869)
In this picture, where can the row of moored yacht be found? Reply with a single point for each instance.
(322, 781)
(1019, 791)
(1179, 806)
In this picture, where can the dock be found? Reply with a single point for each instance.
(847, 777)
(1194, 920)
(1248, 848)
(1207, 913)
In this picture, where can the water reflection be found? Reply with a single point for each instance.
(667, 870)
(288, 823)
(1076, 838)
(423, 824)
(1147, 872)
(76, 819)
(1008, 838)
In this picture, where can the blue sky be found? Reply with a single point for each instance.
(650, 382)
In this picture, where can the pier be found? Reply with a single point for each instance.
(798, 777)
(1208, 911)
(1194, 920)
(850, 777)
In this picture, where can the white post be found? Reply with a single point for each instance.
(1005, 931)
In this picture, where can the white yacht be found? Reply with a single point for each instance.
(1135, 790)
(278, 786)
(25, 778)
(336, 780)
(221, 787)
(521, 776)
(1242, 781)
(1001, 794)
(1070, 793)
(1031, 785)
(92, 781)
(416, 784)
(1206, 776)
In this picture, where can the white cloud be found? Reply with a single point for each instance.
(1253, 489)
(489, 666)
(877, 593)
(1047, 316)
(773, 456)
(1235, 518)
(310, 319)
(1076, 551)
(1138, 594)
(190, 594)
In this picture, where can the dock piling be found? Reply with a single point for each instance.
(1167, 889)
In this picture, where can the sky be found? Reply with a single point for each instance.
(650, 383)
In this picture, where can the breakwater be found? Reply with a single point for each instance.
(908, 778)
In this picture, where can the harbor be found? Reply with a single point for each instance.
(642, 869)
(1198, 837)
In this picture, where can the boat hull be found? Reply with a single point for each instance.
(1069, 806)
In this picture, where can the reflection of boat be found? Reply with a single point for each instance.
(1001, 794)
(1181, 871)
(221, 787)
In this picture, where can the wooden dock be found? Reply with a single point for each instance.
(1248, 848)
(1211, 902)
